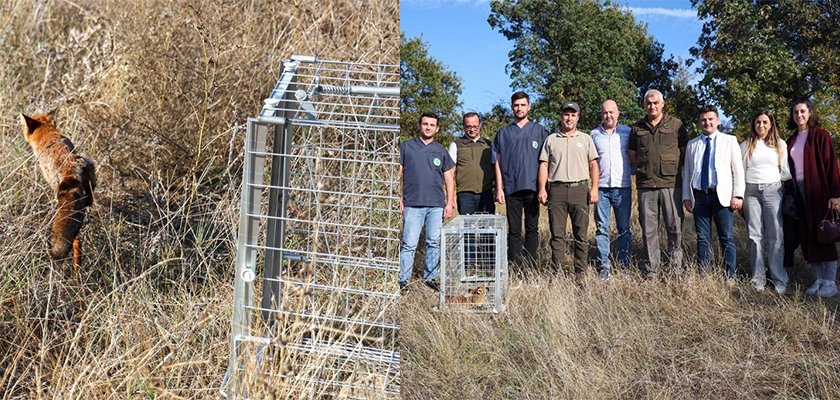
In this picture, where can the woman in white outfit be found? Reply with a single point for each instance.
(766, 166)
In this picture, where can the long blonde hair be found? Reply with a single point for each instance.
(771, 140)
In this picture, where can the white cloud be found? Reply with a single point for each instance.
(665, 12)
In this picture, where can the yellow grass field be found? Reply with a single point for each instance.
(157, 94)
(687, 337)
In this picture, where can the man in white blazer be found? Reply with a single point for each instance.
(713, 187)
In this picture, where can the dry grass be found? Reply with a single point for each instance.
(627, 338)
(624, 339)
(156, 93)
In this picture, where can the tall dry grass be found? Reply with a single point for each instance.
(625, 338)
(156, 93)
(682, 337)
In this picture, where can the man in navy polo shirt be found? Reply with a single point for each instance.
(517, 148)
(424, 167)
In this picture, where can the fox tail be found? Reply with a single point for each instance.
(68, 218)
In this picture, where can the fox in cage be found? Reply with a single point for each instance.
(474, 263)
(474, 297)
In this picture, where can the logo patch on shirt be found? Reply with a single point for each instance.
(534, 144)
(579, 144)
(437, 162)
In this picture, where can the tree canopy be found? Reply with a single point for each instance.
(582, 51)
(761, 55)
(426, 85)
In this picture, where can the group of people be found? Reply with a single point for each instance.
(783, 189)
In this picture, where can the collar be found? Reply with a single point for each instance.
(523, 126)
(603, 130)
(468, 139)
(713, 136)
(599, 130)
(665, 119)
(577, 133)
(424, 143)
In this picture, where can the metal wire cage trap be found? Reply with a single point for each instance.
(473, 263)
(315, 291)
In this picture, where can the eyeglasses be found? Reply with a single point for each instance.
(471, 127)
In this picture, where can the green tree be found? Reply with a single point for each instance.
(827, 103)
(498, 117)
(747, 66)
(581, 51)
(761, 55)
(683, 100)
(426, 86)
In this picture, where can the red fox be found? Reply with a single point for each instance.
(72, 178)
(474, 297)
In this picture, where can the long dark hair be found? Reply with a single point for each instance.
(771, 140)
(812, 120)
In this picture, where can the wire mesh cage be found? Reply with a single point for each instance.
(315, 291)
(473, 263)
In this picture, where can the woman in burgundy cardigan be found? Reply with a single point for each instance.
(813, 165)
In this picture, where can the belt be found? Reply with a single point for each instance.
(707, 191)
(569, 184)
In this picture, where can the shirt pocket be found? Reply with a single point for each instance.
(469, 153)
(669, 164)
(642, 152)
(668, 140)
(643, 140)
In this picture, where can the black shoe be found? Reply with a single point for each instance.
(432, 285)
(403, 288)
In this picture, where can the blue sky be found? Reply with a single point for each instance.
(459, 36)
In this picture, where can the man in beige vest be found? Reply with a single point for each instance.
(474, 173)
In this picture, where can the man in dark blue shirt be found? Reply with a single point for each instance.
(517, 148)
(424, 168)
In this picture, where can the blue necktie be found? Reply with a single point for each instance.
(707, 156)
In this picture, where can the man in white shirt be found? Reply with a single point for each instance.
(713, 187)
(611, 139)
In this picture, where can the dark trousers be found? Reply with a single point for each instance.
(471, 202)
(707, 208)
(564, 203)
(516, 203)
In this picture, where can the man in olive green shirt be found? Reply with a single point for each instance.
(657, 148)
(475, 175)
(568, 162)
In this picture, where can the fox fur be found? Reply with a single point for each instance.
(474, 296)
(71, 176)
